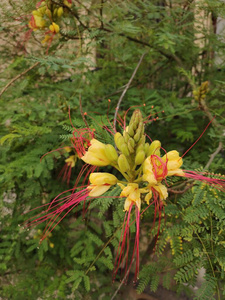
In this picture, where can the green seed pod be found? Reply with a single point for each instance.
(111, 153)
(140, 157)
(123, 163)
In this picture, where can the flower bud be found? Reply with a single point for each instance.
(146, 148)
(131, 130)
(116, 137)
(124, 149)
(131, 145)
(139, 132)
(120, 143)
(48, 13)
(111, 153)
(60, 11)
(123, 163)
(140, 148)
(126, 136)
(140, 157)
(154, 148)
(54, 27)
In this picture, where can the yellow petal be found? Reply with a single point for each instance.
(148, 197)
(96, 154)
(162, 190)
(97, 190)
(102, 178)
(174, 162)
(148, 174)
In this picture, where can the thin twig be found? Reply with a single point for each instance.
(121, 283)
(180, 191)
(126, 88)
(213, 155)
(17, 77)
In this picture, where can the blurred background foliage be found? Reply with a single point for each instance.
(92, 58)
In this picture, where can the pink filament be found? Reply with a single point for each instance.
(122, 255)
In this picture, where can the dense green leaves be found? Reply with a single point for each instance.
(89, 62)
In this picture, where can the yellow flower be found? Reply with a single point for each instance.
(71, 160)
(100, 183)
(133, 194)
(174, 162)
(67, 3)
(46, 40)
(54, 27)
(96, 154)
(161, 190)
(40, 23)
(148, 174)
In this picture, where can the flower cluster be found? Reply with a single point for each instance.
(141, 171)
(46, 17)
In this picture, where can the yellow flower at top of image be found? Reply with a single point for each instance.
(54, 28)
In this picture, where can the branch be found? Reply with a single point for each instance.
(181, 191)
(121, 283)
(17, 77)
(126, 88)
(213, 155)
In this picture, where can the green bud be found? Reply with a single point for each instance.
(116, 136)
(123, 163)
(140, 148)
(140, 157)
(126, 136)
(139, 132)
(111, 153)
(119, 140)
(131, 142)
(130, 148)
(154, 148)
(60, 11)
(135, 120)
(124, 149)
(146, 147)
(131, 130)
(141, 141)
(131, 145)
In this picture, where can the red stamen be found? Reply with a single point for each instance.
(198, 138)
